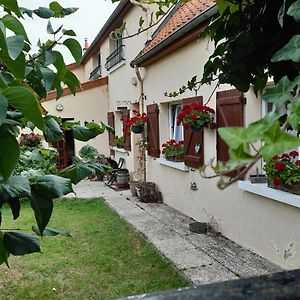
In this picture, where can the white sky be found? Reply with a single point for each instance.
(86, 22)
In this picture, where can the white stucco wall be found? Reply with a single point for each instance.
(270, 228)
(87, 105)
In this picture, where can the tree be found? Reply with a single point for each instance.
(256, 41)
(25, 79)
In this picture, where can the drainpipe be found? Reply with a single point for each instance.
(142, 107)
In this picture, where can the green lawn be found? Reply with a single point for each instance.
(104, 258)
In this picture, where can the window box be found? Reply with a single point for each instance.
(175, 165)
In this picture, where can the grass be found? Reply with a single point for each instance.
(105, 258)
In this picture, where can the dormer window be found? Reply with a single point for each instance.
(96, 73)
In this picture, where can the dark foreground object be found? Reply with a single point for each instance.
(283, 285)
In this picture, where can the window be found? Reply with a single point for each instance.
(96, 73)
(117, 52)
(176, 131)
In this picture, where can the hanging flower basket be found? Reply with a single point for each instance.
(136, 123)
(196, 129)
(283, 172)
(137, 128)
(177, 158)
(196, 116)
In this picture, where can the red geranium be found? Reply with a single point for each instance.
(279, 165)
(284, 155)
(172, 149)
(277, 181)
(137, 120)
(30, 139)
(293, 153)
(195, 115)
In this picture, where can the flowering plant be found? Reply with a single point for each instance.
(30, 139)
(117, 142)
(171, 149)
(284, 169)
(195, 115)
(137, 120)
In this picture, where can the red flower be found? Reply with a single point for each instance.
(163, 145)
(279, 165)
(186, 126)
(275, 157)
(30, 139)
(293, 153)
(276, 181)
(297, 162)
(284, 155)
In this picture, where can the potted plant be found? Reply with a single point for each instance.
(117, 142)
(173, 150)
(136, 123)
(195, 116)
(283, 172)
(30, 139)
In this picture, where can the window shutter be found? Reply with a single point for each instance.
(126, 134)
(153, 130)
(191, 139)
(111, 123)
(230, 113)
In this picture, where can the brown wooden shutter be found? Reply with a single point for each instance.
(230, 113)
(153, 130)
(111, 123)
(126, 134)
(191, 139)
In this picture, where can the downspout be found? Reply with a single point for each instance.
(142, 107)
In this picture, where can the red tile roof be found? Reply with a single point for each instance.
(186, 13)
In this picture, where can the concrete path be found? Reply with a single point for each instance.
(202, 258)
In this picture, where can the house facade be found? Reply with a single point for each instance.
(136, 75)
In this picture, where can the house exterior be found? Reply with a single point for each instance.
(136, 76)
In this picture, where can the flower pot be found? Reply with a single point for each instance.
(177, 158)
(195, 129)
(137, 129)
(290, 188)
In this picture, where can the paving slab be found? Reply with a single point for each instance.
(201, 258)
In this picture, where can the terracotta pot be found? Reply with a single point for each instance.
(290, 188)
(137, 129)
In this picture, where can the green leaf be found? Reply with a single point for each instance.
(294, 117)
(280, 93)
(50, 58)
(281, 13)
(24, 100)
(49, 77)
(15, 26)
(3, 109)
(26, 11)
(4, 254)
(52, 131)
(88, 152)
(68, 32)
(83, 133)
(15, 187)
(17, 66)
(294, 11)
(239, 157)
(75, 49)
(15, 207)
(50, 231)
(76, 172)
(50, 29)
(277, 141)
(9, 153)
(72, 82)
(67, 11)
(44, 12)
(291, 51)
(18, 243)
(15, 46)
(12, 5)
(60, 65)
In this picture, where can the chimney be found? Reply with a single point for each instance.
(86, 45)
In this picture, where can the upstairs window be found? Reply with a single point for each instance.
(116, 51)
(96, 73)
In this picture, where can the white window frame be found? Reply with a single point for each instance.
(173, 127)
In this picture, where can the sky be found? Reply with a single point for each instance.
(86, 22)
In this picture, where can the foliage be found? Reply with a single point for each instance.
(43, 160)
(30, 139)
(137, 120)
(195, 115)
(284, 168)
(257, 40)
(172, 148)
(86, 164)
(25, 79)
(117, 142)
(102, 246)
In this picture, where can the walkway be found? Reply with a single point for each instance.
(202, 258)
